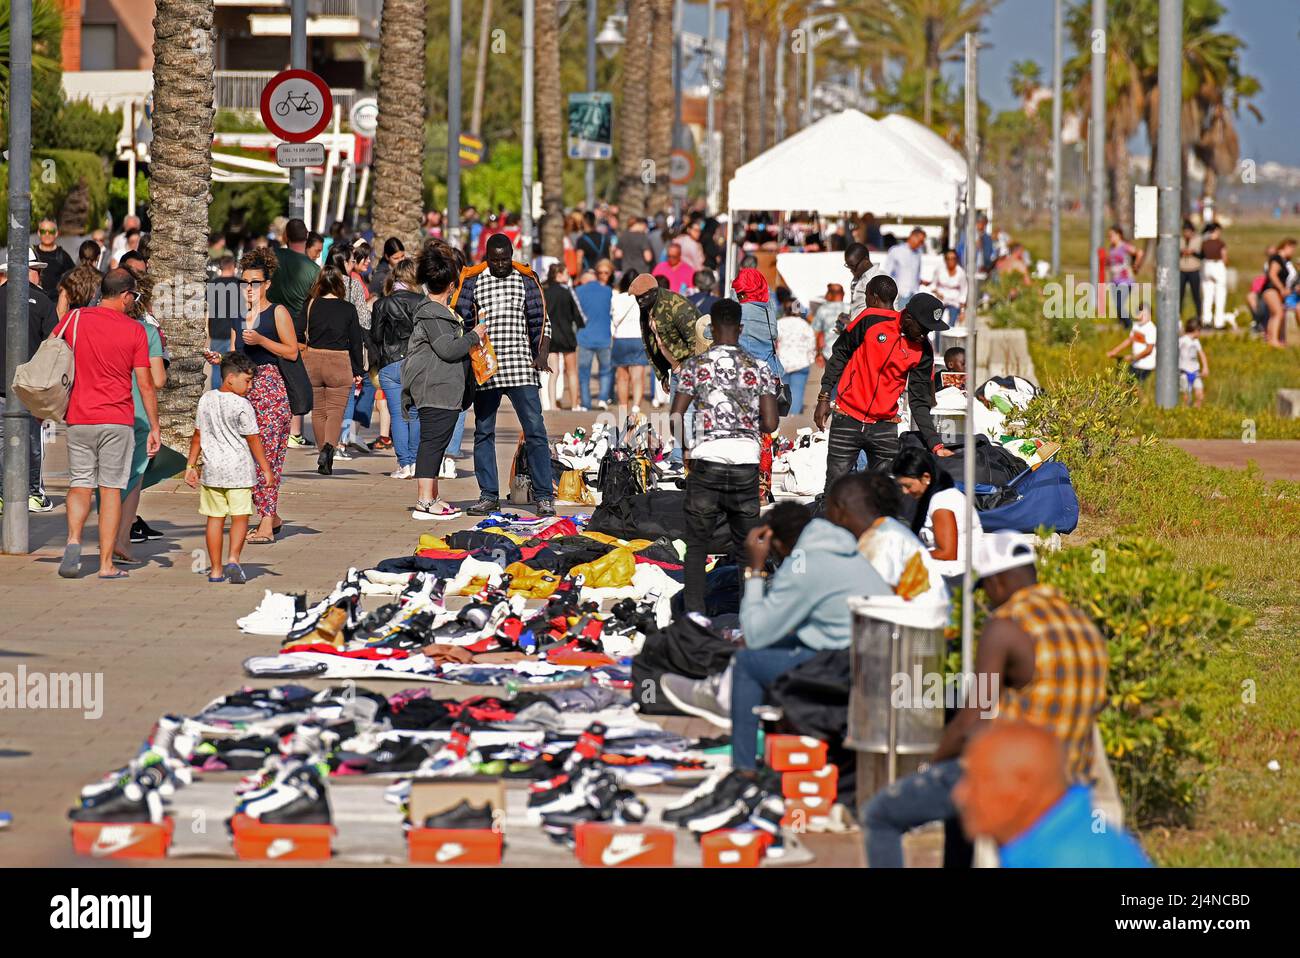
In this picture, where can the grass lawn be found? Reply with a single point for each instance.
(1213, 517)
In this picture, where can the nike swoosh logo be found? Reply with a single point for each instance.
(280, 847)
(613, 855)
(103, 848)
(449, 852)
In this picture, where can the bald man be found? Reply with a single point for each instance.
(1014, 789)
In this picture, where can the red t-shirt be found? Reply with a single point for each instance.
(107, 348)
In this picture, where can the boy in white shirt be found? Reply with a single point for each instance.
(226, 432)
(1193, 367)
(1142, 339)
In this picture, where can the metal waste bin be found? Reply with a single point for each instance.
(898, 649)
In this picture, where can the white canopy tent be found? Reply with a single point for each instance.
(846, 162)
(936, 147)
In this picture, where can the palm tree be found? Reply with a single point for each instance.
(398, 205)
(550, 126)
(1026, 79)
(660, 119)
(733, 94)
(753, 95)
(480, 69)
(47, 30)
(180, 175)
(918, 34)
(632, 119)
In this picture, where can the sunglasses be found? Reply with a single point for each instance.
(45, 232)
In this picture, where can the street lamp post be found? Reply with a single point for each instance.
(710, 119)
(298, 60)
(1057, 68)
(453, 123)
(526, 214)
(590, 171)
(811, 40)
(1169, 202)
(1097, 146)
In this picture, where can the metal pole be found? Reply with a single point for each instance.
(710, 118)
(1169, 190)
(1057, 70)
(526, 217)
(1097, 146)
(17, 422)
(453, 124)
(972, 304)
(809, 71)
(591, 88)
(781, 41)
(298, 60)
(678, 56)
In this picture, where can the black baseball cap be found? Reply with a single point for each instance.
(926, 310)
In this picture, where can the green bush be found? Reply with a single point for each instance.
(55, 173)
(84, 128)
(1161, 624)
(118, 194)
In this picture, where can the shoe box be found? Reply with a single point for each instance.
(795, 753)
(456, 846)
(733, 849)
(255, 841)
(123, 839)
(801, 813)
(822, 783)
(603, 845)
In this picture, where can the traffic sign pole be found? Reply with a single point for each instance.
(297, 60)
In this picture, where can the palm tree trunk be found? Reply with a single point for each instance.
(480, 69)
(399, 141)
(1121, 183)
(927, 109)
(550, 127)
(733, 95)
(753, 92)
(661, 103)
(770, 40)
(179, 180)
(632, 123)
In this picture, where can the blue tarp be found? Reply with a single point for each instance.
(1046, 499)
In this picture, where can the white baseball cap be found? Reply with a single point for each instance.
(33, 261)
(999, 551)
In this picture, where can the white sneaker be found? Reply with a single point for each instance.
(601, 404)
(448, 470)
(341, 454)
(403, 472)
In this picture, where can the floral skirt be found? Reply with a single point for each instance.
(271, 404)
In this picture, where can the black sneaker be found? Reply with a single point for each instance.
(137, 533)
(484, 507)
(730, 815)
(144, 529)
(545, 507)
(720, 796)
(463, 815)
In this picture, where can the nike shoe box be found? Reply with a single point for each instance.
(257, 842)
(795, 753)
(456, 846)
(823, 783)
(728, 848)
(623, 846)
(800, 813)
(123, 839)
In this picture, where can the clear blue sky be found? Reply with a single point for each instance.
(1022, 29)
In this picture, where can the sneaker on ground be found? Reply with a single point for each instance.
(448, 470)
(436, 510)
(403, 472)
(735, 813)
(545, 507)
(341, 454)
(696, 697)
(463, 815)
(39, 502)
(484, 507)
(301, 442)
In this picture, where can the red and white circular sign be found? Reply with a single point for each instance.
(296, 105)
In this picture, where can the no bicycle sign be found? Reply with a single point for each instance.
(296, 105)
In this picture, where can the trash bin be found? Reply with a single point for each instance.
(898, 646)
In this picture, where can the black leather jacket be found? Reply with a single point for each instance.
(392, 320)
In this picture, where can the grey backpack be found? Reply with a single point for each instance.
(44, 383)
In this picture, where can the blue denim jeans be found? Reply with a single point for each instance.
(457, 436)
(601, 355)
(221, 346)
(752, 673)
(798, 383)
(527, 401)
(358, 409)
(910, 802)
(688, 421)
(405, 432)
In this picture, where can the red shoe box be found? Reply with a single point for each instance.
(733, 849)
(257, 842)
(800, 812)
(123, 839)
(823, 783)
(455, 846)
(627, 846)
(795, 753)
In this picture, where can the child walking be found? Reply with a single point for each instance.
(1193, 366)
(226, 432)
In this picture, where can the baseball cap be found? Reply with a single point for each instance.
(926, 310)
(999, 551)
(642, 283)
(33, 261)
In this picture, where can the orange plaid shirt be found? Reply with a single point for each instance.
(1068, 689)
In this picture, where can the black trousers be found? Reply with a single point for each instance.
(714, 489)
(436, 427)
(1190, 278)
(848, 437)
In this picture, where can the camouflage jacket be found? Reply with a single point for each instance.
(674, 319)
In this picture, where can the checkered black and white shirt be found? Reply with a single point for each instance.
(501, 301)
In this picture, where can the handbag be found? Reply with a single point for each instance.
(297, 384)
(483, 358)
(44, 382)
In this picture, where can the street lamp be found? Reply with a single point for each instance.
(611, 38)
(812, 39)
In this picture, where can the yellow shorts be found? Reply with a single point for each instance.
(219, 503)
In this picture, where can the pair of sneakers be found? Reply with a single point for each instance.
(487, 505)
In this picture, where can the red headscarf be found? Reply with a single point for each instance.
(750, 286)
